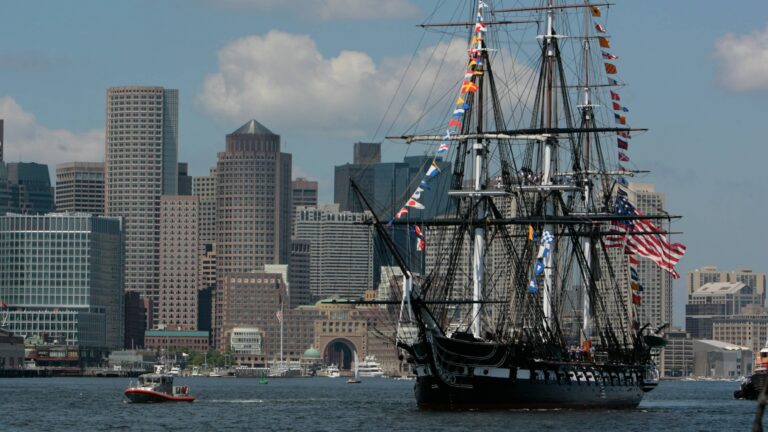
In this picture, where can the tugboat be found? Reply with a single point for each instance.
(157, 387)
(753, 385)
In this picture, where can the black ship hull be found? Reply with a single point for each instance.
(492, 394)
(469, 375)
(751, 388)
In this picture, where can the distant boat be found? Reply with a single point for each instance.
(156, 388)
(356, 378)
(370, 368)
(331, 371)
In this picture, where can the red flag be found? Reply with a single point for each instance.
(622, 144)
(623, 157)
(636, 300)
(610, 69)
(599, 28)
(615, 96)
(623, 134)
(468, 87)
(604, 42)
(420, 244)
(454, 122)
(403, 211)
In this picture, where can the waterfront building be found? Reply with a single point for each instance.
(257, 299)
(141, 164)
(171, 341)
(5, 195)
(11, 348)
(716, 299)
(676, 358)
(80, 187)
(704, 275)
(341, 251)
(246, 341)
(745, 330)
(29, 188)
(253, 207)
(716, 359)
(62, 275)
(179, 265)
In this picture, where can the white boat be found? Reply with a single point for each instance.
(370, 368)
(331, 371)
(175, 371)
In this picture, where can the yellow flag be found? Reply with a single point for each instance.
(595, 11)
(460, 101)
(476, 39)
(530, 232)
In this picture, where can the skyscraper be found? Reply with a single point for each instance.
(341, 251)
(80, 187)
(704, 275)
(2, 138)
(141, 165)
(253, 197)
(304, 193)
(179, 262)
(184, 181)
(29, 187)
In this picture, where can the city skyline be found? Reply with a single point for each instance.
(64, 79)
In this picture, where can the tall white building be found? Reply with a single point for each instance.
(141, 164)
(707, 274)
(341, 250)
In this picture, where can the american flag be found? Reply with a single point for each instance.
(651, 244)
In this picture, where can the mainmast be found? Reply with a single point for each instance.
(479, 149)
(549, 146)
(587, 116)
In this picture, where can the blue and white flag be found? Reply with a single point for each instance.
(539, 268)
(443, 148)
(433, 170)
(547, 237)
(532, 287)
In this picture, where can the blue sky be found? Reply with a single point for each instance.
(697, 74)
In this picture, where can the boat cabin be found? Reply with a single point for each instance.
(156, 381)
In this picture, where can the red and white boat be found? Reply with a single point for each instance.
(157, 387)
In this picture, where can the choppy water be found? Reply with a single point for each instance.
(326, 404)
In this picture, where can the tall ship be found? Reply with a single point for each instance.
(528, 292)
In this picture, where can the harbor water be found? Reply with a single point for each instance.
(328, 404)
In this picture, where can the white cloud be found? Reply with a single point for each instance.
(743, 60)
(26, 140)
(328, 9)
(346, 95)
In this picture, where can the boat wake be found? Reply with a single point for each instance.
(236, 401)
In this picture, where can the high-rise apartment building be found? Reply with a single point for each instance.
(141, 165)
(62, 276)
(179, 262)
(204, 188)
(253, 205)
(341, 251)
(80, 187)
(656, 305)
(2, 138)
(29, 187)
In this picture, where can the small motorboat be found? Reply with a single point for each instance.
(157, 387)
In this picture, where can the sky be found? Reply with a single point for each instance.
(321, 73)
